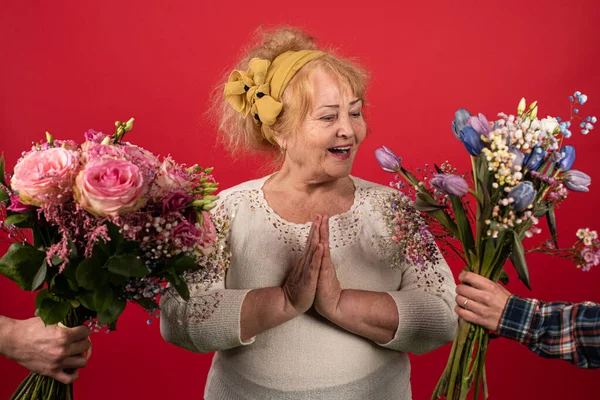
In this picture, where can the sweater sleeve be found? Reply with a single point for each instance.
(210, 320)
(425, 304)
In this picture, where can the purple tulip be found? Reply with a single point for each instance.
(450, 184)
(577, 181)
(388, 160)
(461, 117)
(480, 124)
(16, 205)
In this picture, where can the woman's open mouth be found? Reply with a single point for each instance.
(340, 152)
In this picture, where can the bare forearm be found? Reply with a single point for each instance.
(264, 309)
(5, 335)
(373, 315)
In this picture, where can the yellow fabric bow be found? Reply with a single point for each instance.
(258, 90)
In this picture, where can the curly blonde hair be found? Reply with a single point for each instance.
(241, 134)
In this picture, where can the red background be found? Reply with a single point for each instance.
(69, 66)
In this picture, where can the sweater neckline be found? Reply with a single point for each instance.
(350, 211)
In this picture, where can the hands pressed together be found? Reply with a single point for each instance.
(313, 280)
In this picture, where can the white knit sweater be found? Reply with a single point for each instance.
(308, 357)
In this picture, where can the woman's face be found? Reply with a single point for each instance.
(326, 142)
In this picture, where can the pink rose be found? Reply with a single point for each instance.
(45, 175)
(140, 156)
(209, 232)
(93, 151)
(176, 201)
(172, 176)
(110, 186)
(16, 205)
(186, 234)
(93, 136)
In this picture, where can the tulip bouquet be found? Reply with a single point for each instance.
(520, 172)
(111, 224)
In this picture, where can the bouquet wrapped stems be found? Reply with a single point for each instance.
(37, 386)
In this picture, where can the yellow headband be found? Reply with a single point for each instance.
(259, 89)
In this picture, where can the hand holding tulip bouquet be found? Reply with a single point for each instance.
(111, 224)
(520, 171)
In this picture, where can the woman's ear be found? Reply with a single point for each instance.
(281, 141)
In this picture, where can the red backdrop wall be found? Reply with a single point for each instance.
(69, 66)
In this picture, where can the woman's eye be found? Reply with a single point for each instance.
(356, 114)
(328, 118)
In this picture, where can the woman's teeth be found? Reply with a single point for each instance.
(340, 150)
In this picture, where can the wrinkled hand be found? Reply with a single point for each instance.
(329, 290)
(47, 350)
(301, 283)
(480, 301)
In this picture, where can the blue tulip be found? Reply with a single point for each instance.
(386, 158)
(568, 158)
(461, 117)
(522, 194)
(472, 140)
(534, 159)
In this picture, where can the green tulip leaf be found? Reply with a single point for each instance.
(517, 257)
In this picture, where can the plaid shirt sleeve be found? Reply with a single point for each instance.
(555, 330)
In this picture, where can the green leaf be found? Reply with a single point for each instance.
(116, 238)
(127, 246)
(117, 279)
(551, 219)
(15, 219)
(39, 278)
(42, 294)
(87, 300)
(2, 180)
(147, 304)
(53, 312)
(517, 257)
(422, 205)
(184, 263)
(464, 227)
(103, 297)
(113, 311)
(21, 263)
(180, 285)
(128, 265)
(3, 195)
(503, 277)
(90, 274)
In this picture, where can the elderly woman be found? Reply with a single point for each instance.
(310, 305)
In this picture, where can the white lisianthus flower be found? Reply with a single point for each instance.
(549, 124)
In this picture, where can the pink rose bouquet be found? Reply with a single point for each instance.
(112, 224)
